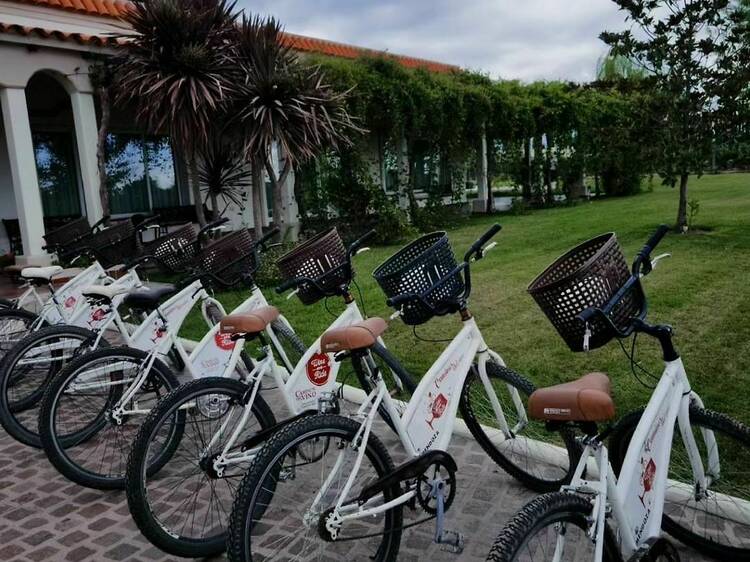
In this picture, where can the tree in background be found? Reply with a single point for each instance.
(688, 48)
(175, 70)
(281, 101)
(102, 76)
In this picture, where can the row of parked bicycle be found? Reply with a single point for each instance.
(246, 443)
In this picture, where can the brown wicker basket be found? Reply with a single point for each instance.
(587, 276)
(230, 258)
(322, 258)
(175, 251)
(116, 244)
(68, 239)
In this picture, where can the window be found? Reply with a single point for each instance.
(56, 171)
(140, 174)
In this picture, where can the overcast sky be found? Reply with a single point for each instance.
(525, 39)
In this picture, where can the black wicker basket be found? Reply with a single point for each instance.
(175, 251)
(230, 258)
(116, 244)
(70, 238)
(423, 268)
(322, 258)
(587, 276)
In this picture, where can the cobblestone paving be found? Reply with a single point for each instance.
(43, 517)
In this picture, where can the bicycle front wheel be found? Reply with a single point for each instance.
(551, 527)
(278, 515)
(714, 521)
(184, 508)
(540, 459)
(26, 371)
(86, 425)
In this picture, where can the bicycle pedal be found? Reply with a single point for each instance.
(451, 541)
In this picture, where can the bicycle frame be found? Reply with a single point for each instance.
(637, 498)
(312, 382)
(429, 419)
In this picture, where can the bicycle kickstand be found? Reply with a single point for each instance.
(451, 541)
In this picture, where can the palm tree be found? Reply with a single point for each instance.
(223, 173)
(176, 71)
(279, 100)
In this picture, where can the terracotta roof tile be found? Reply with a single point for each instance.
(80, 38)
(116, 8)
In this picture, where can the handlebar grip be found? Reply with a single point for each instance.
(213, 224)
(653, 242)
(357, 244)
(588, 314)
(486, 237)
(395, 302)
(286, 285)
(138, 261)
(268, 235)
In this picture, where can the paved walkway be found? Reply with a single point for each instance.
(43, 517)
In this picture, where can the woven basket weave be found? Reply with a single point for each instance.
(322, 258)
(116, 244)
(230, 258)
(176, 251)
(422, 268)
(587, 276)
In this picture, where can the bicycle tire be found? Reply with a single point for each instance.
(325, 426)
(6, 304)
(11, 336)
(549, 509)
(19, 417)
(700, 419)
(171, 538)
(471, 413)
(362, 370)
(57, 447)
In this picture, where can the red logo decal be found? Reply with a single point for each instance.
(438, 408)
(98, 315)
(649, 473)
(70, 302)
(159, 333)
(224, 341)
(318, 369)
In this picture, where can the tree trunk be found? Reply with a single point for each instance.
(258, 187)
(101, 148)
(548, 173)
(215, 206)
(682, 223)
(527, 171)
(195, 183)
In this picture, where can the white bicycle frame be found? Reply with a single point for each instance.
(92, 316)
(312, 382)
(428, 421)
(637, 499)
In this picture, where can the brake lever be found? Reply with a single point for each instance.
(483, 251)
(653, 263)
(396, 314)
(362, 250)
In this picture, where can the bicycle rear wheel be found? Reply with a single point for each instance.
(81, 432)
(184, 508)
(717, 522)
(551, 527)
(274, 516)
(540, 459)
(28, 368)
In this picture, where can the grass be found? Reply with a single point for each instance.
(702, 291)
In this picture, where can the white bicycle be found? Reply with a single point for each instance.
(95, 321)
(681, 467)
(222, 422)
(92, 409)
(326, 487)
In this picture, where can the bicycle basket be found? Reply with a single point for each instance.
(69, 238)
(423, 268)
(175, 251)
(587, 276)
(230, 258)
(114, 244)
(322, 258)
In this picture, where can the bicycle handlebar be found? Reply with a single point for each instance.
(355, 246)
(643, 259)
(477, 247)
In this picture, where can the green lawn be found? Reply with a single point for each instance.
(702, 291)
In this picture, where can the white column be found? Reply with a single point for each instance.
(84, 118)
(23, 175)
(404, 173)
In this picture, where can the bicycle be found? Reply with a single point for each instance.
(579, 521)
(92, 409)
(350, 490)
(183, 509)
(36, 358)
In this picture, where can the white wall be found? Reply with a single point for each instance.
(7, 199)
